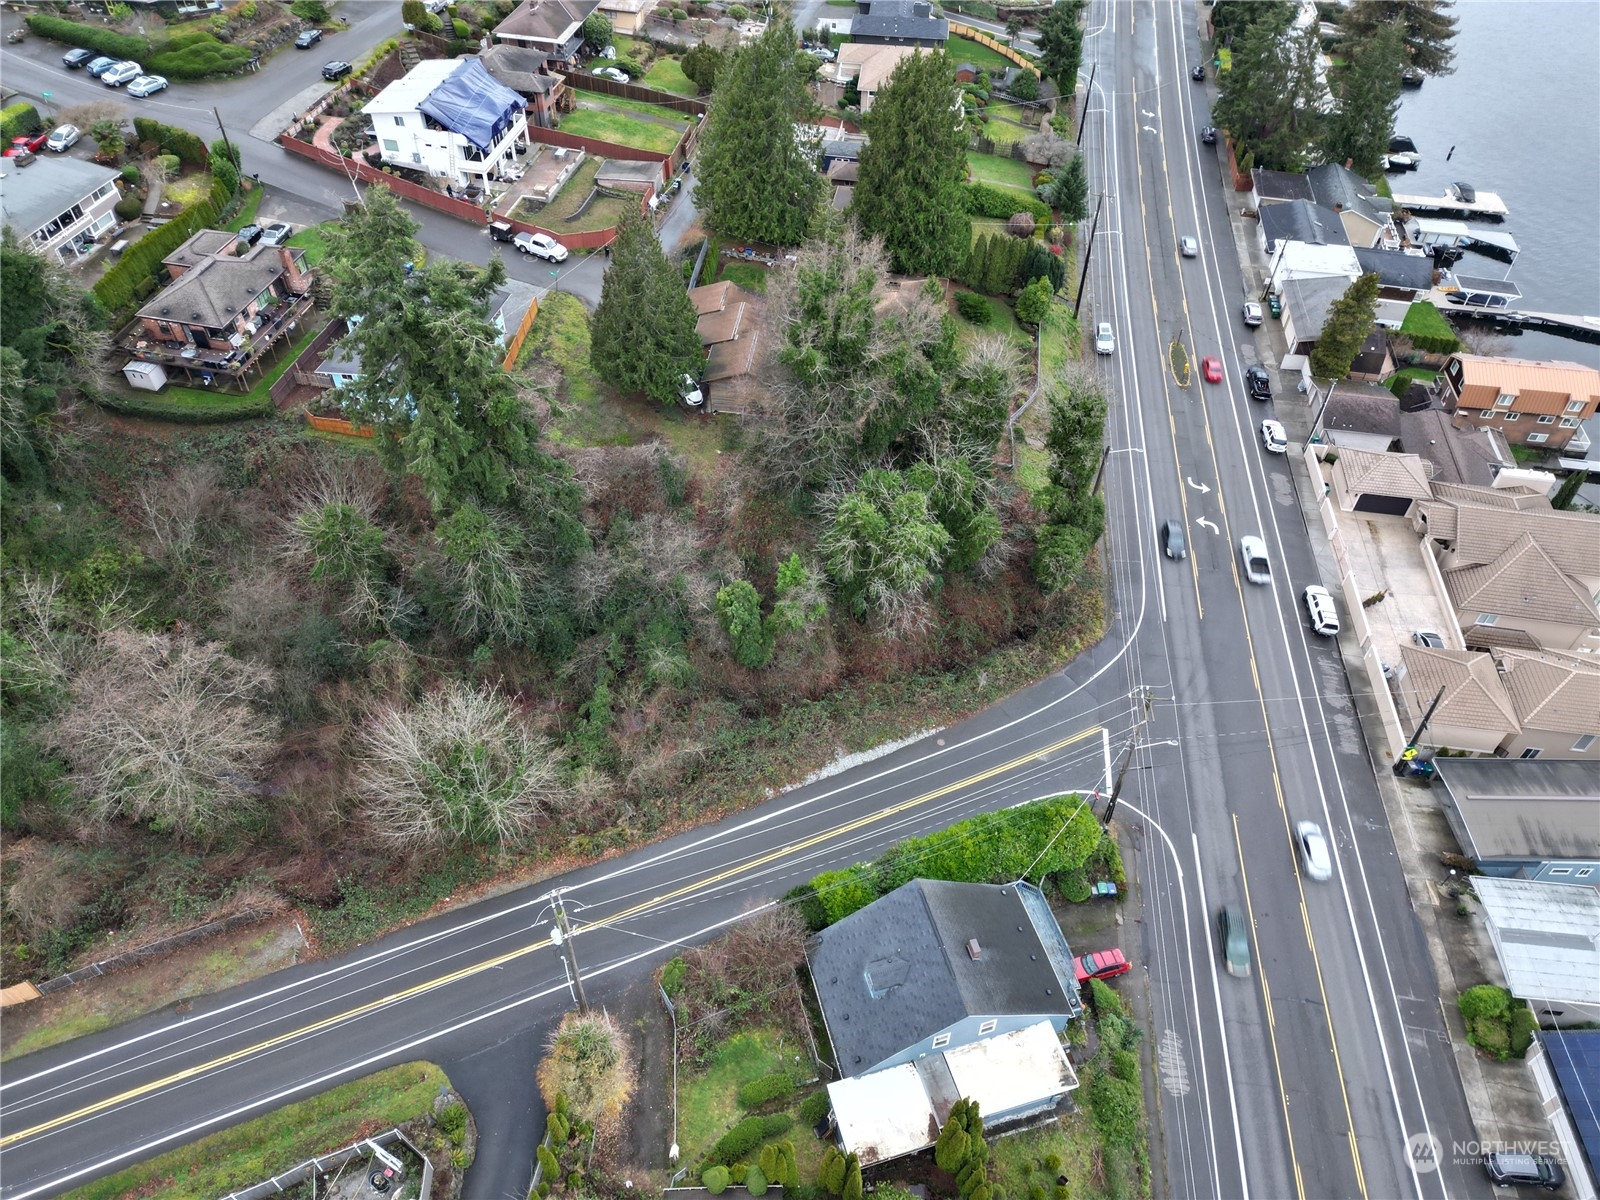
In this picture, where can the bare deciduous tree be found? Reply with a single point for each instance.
(167, 730)
(458, 766)
(44, 892)
(174, 510)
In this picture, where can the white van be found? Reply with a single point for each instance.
(1320, 608)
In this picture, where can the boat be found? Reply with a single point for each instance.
(1412, 77)
(1403, 154)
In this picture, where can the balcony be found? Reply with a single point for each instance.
(227, 369)
(1579, 442)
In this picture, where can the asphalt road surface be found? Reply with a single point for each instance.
(1305, 1080)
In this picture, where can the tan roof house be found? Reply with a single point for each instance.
(1557, 701)
(870, 66)
(1474, 711)
(1375, 482)
(628, 16)
(1541, 404)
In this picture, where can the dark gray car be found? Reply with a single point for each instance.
(1235, 941)
(1173, 543)
(1507, 1168)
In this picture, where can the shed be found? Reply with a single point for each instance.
(146, 376)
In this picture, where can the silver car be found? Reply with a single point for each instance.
(1253, 556)
(123, 72)
(1314, 850)
(63, 139)
(1189, 246)
(1105, 341)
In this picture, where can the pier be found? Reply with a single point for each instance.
(1484, 205)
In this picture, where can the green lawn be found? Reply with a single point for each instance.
(559, 214)
(747, 275)
(1002, 170)
(621, 130)
(707, 1101)
(256, 1150)
(1005, 126)
(310, 240)
(1401, 379)
(661, 112)
(965, 50)
(667, 75)
(1423, 319)
(247, 210)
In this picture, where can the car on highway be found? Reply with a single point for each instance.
(147, 85)
(1101, 964)
(276, 233)
(1235, 941)
(77, 57)
(1428, 638)
(1189, 247)
(1252, 313)
(1211, 368)
(29, 144)
(307, 39)
(124, 72)
(1105, 341)
(1253, 554)
(540, 245)
(1208, 135)
(1258, 383)
(1173, 542)
(1510, 1168)
(1314, 850)
(64, 138)
(1321, 609)
(336, 70)
(1272, 437)
(99, 66)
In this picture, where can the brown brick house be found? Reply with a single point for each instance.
(1537, 404)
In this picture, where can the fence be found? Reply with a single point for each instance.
(144, 953)
(294, 377)
(340, 425)
(983, 39)
(464, 210)
(332, 1162)
(514, 343)
(637, 91)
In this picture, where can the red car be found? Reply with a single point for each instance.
(1211, 368)
(1102, 964)
(32, 144)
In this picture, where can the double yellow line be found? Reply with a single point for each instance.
(500, 960)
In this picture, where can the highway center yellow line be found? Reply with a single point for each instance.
(501, 960)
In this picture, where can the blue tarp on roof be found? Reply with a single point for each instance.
(474, 104)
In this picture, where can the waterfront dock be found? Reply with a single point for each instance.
(1484, 205)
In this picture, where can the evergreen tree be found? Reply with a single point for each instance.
(1430, 29)
(1368, 91)
(1349, 321)
(757, 182)
(910, 188)
(1069, 192)
(831, 1177)
(1567, 494)
(739, 610)
(1039, 263)
(883, 545)
(950, 1151)
(1272, 99)
(643, 335)
(1061, 45)
(1230, 18)
(1074, 440)
(974, 272)
(702, 63)
(852, 1179)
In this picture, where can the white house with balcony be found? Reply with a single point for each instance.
(450, 119)
(59, 206)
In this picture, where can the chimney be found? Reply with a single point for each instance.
(974, 951)
(297, 281)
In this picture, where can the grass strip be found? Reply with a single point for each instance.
(285, 1137)
(619, 130)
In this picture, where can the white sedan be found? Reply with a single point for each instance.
(1105, 341)
(1273, 439)
(147, 85)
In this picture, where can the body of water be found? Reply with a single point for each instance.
(1522, 111)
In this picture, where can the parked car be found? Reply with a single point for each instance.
(249, 235)
(1320, 608)
(276, 233)
(612, 74)
(1507, 1168)
(1208, 135)
(1252, 313)
(691, 392)
(147, 85)
(307, 39)
(76, 58)
(64, 138)
(1105, 341)
(1258, 383)
(30, 144)
(1314, 850)
(1189, 247)
(501, 231)
(1173, 541)
(1273, 439)
(1253, 554)
(1101, 964)
(336, 70)
(1211, 368)
(1197, 73)
(1428, 638)
(124, 72)
(540, 245)
(821, 52)
(1235, 941)
(99, 66)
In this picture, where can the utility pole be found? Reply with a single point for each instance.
(562, 937)
(1087, 92)
(1087, 251)
(1133, 742)
(232, 149)
(1403, 763)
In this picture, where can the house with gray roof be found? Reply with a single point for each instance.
(1401, 276)
(1363, 418)
(1547, 938)
(1457, 453)
(898, 23)
(940, 991)
(1277, 187)
(1306, 301)
(526, 71)
(60, 207)
(554, 27)
(1367, 217)
(1523, 818)
(1300, 221)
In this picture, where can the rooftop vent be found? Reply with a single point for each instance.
(974, 951)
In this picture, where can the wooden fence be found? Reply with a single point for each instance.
(340, 425)
(983, 39)
(514, 343)
(283, 387)
(637, 91)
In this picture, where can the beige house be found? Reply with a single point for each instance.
(1516, 573)
(628, 16)
(870, 66)
(1509, 703)
(1542, 404)
(1557, 701)
(1474, 712)
(1372, 481)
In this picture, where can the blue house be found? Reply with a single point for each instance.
(940, 991)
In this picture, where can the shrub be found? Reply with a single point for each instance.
(736, 1173)
(1033, 305)
(18, 120)
(1052, 1163)
(167, 165)
(1486, 1001)
(91, 37)
(196, 54)
(715, 1180)
(629, 67)
(461, 29)
(1125, 1065)
(738, 12)
(549, 1168)
(830, 1176)
(130, 174)
(314, 11)
(679, 14)
(1075, 887)
(1036, 1191)
(672, 976)
(765, 1090)
(180, 143)
(738, 1141)
(1116, 1106)
(998, 203)
(560, 1129)
(1025, 86)
(1523, 1024)
(129, 207)
(814, 1108)
(452, 1122)
(973, 308)
(755, 1181)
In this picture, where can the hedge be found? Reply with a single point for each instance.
(90, 37)
(765, 1090)
(18, 120)
(189, 54)
(815, 1107)
(990, 847)
(998, 203)
(746, 1136)
(208, 409)
(191, 151)
(119, 286)
(1428, 330)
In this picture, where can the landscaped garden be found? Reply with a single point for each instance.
(1002, 170)
(965, 50)
(563, 215)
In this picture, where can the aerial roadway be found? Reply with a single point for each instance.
(1311, 1077)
